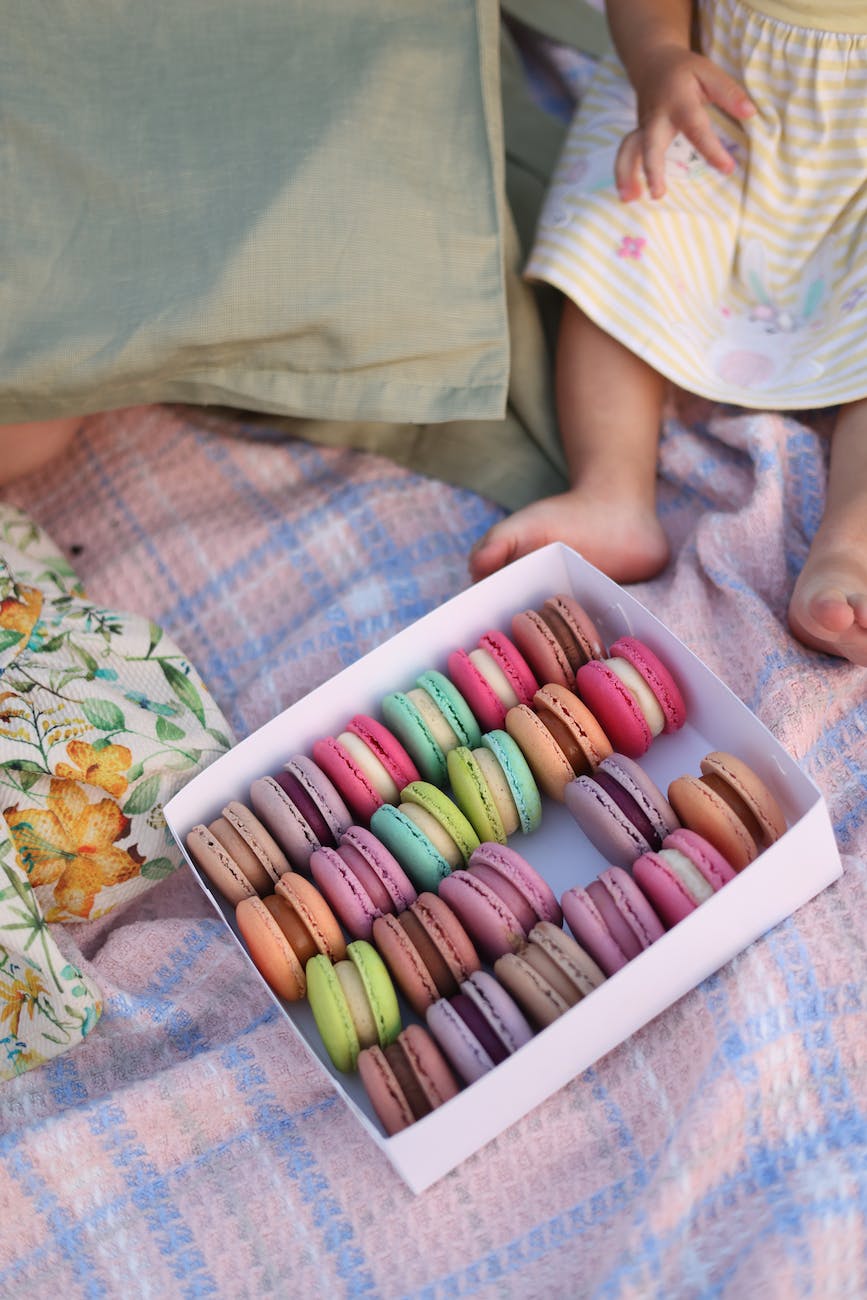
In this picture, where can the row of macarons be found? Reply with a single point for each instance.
(539, 738)
(427, 840)
(484, 964)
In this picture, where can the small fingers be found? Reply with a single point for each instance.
(726, 93)
(627, 167)
(700, 132)
(656, 138)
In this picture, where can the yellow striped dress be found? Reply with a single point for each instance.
(749, 288)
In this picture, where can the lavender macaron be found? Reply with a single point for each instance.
(621, 810)
(611, 919)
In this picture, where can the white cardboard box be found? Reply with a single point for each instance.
(787, 875)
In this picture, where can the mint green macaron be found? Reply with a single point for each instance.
(519, 777)
(445, 811)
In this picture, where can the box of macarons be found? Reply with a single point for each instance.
(487, 852)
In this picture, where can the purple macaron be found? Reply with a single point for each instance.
(301, 807)
(479, 1027)
(621, 810)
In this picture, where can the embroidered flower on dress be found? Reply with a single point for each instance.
(631, 247)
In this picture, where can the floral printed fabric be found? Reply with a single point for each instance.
(102, 719)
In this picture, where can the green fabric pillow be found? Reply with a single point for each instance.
(287, 205)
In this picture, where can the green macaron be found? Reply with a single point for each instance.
(406, 722)
(472, 793)
(453, 706)
(421, 861)
(353, 1002)
(444, 811)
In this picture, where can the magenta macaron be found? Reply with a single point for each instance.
(611, 919)
(632, 694)
(499, 898)
(620, 809)
(684, 873)
(367, 764)
(361, 880)
(493, 678)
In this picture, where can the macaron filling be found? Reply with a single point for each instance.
(291, 786)
(368, 763)
(297, 935)
(479, 1028)
(644, 696)
(433, 718)
(515, 901)
(434, 831)
(493, 674)
(629, 807)
(427, 950)
(688, 874)
(616, 924)
(499, 790)
(406, 1080)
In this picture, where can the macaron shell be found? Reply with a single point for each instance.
(270, 950)
(386, 747)
(317, 917)
(539, 646)
(343, 892)
(473, 795)
(477, 691)
(632, 904)
(544, 756)
(579, 624)
(429, 1066)
(577, 965)
(421, 861)
(538, 999)
(404, 719)
(615, 708)
(273, 805)
(655, 673)
(511, 662)
(499, 1009)
(405, 963)
(384, 1092)
(445, 930)
(257, 837)
(445, 811)
(710, 862)
(383, 864)
(633, 779)
(749, 788)
(242, 855)
(668, 895)
(523, 877)
(453, 706)
(606, 827)
(461, 1047)
(492, 925)
(704, 811)
(322, 791)
(588, 926)
(217, 865)
(378, 989)
(331, 1013)
(342, 770)
(519, 776)
(578, 721)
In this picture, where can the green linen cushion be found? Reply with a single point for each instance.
(293, 206)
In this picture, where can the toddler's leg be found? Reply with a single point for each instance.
(828, 609)
(27, 447)
(609, 406)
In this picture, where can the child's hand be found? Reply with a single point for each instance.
(673, 89)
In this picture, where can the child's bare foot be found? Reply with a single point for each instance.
(27, 447)
(623, 539)
(828, 609)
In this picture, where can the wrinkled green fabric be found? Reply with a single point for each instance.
(316, 212)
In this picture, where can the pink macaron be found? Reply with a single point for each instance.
(685, 872)
(499, 898)
(557, 639)
(361, 880)
(611, 919)
(632, 694)
(492, 678)
(367, 764)
(301, 807)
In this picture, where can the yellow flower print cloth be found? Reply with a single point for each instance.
(102, 719)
